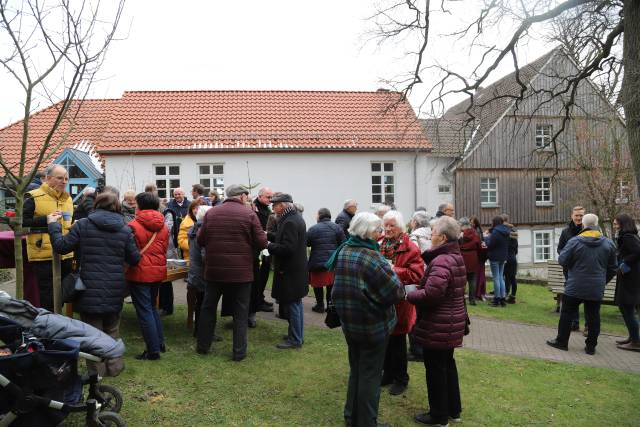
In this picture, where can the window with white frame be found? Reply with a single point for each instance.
(383, 182)
(444, 188)
(167, 178)
(211, 176)
(543, 137)
(543, 191)
(542, 245)
(623, 195)
(488, 191)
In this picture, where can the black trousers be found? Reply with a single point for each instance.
(363, 392)
(395, 360)
(510, 272)
(166, 297)
(442, 384)
(471, 280)
(44, 274)
(261, 272)
(209, 311)
(319, 294)
(570, 306)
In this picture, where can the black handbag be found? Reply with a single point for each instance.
(332, 320)
(72, 287)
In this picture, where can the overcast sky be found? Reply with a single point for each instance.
(255, 45)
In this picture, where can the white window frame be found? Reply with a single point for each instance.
(544, 191)
(544, 134)
(381, 197)
(211, 177)
(623, 195)
(535, 246)
(489, 191)
(166, 192)
(444, 188)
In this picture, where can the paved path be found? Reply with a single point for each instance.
(497, 337)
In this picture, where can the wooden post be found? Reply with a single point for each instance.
(57, 283)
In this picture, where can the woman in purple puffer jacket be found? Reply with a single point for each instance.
(439, 301)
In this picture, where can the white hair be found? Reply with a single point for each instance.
(88, 190)
(394, 215)
(350, 202)
(364, 224)
(49, 169)
(590, 221)
(448, 227)
(202, 210)
(421, 219)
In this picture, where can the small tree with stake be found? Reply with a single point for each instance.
(52, 50)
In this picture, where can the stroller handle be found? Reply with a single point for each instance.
(89, 357)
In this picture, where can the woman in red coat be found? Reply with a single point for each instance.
(152, 239)
(404, 256)
(440, 303)
(471, 248)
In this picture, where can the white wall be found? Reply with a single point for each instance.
(314, 179)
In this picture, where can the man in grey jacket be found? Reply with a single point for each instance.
(590, 260)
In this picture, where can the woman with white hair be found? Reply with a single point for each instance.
(420, 230)
(195, 279)
(365, 291)
(439, 300)
(405, 260)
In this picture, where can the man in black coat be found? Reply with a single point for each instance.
(179, 204)
(344, 218)
(258, 302)
(290, 277)
(573, 229)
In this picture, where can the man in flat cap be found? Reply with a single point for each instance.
(290, 277)
(231, 234)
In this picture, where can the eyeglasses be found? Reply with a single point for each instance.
(379, 230)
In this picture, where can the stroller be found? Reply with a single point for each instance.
(39, 380)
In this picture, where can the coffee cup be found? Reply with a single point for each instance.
(66, 216)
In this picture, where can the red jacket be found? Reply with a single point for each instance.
(152, 267)
(471, 247)
(231, 236)
(409, 267)
(440, 299)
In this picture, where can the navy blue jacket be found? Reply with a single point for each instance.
(498, 243)
(104, 244)
(323, 238)
(344, 220)
(591, 262)
(180, 211)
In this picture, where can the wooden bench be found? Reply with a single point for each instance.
(555, 283)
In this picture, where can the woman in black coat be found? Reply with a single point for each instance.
(628, 280)
(104, 245)
(323, 238)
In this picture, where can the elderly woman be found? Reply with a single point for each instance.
(440, 303)
(420, 230)
(365, 291)
(106, 245)
(471, 248)
(195, 279)
(323, 238)
(405, 260)
(186, 224)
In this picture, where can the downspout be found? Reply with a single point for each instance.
(415, 179)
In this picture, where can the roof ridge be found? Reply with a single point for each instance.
(260, 91)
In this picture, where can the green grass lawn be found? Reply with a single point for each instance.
(535, 305)
(307, 387)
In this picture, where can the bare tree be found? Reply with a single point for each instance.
(602, 36)
(53, 50)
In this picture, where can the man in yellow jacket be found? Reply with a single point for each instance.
(50, 197)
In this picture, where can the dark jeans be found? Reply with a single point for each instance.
(319, 294)
(143, 296)
(166, 297)
(241, 293)
(471, 280)
(44, 276)
(442, 384)
(510, 272)
(196, 310)
(570, 307)
(629, 316)
(363, 392)
(395, 360)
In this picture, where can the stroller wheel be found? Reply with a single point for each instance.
(111, 419)
(110, 398)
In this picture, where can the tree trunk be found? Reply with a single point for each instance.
(17, 245)
(631, 82)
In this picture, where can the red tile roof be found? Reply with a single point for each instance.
(262, 120)
(89, 119)
(160, 121)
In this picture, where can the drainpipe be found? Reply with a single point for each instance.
(415, 179)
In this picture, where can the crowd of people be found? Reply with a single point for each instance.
(388, 279)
